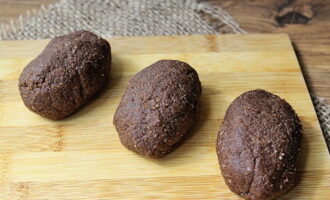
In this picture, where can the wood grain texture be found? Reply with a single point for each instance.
(81, 157)
(306, 21)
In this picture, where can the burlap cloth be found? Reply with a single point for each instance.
(131, 18)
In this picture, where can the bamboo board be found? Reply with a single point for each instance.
(81, 157)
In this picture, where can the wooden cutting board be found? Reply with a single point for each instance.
(81, 157)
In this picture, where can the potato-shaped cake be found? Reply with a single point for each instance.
(258, 144)
(158, 108)
(68, 72)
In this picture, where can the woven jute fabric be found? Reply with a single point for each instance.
(323, 113)
(133, 18)
(118, 18)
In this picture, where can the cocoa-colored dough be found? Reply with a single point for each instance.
(158, 108)
(69, 71)
(258, 144)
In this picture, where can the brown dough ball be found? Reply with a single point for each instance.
(69, 71)
(158, 108)
(258, 145)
